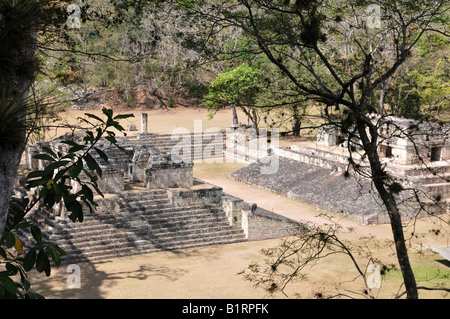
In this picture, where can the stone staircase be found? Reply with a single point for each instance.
(196, 143)
(434, 181)
(147, 222)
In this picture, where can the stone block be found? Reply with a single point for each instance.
(131, 127)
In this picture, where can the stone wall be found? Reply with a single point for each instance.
(326, 135)
(233, 208)
(257, 223)
(262, 224)
(313, 156)
(245, 144)
(112, 181)
(202, 195)
(168, 177)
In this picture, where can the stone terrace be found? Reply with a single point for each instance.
(135, 223)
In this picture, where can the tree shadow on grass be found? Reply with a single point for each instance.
(445, 262)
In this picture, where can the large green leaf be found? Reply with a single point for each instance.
(10, 240)
(43, 263)
(45, 157)
(29, 260)
(8, 284)
(75, 170)
(36, 233)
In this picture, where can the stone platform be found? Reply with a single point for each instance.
(322, 187)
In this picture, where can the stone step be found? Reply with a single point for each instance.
(142, 195)
(164, 212)
(414, 172)
(96, 248)
(119, 243)
(162, 144)
(134, 241)
(126, 251)
(116, 237)
(192, 141)
(150, 217)
(154, 227)
(157, 222)
(192, 136)
(442, 189)
(430, 178)
(148, 222)
(200, 231)
(144, 204)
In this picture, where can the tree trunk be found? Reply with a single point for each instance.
(234, 114)
(17, 83)
(392, 209)
(297, 122)
(254, 119)
(384, 85)
(10, 156)
(9, 165)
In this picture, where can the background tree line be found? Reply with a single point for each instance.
(177, 58)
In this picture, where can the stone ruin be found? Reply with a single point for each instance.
(159, 170)
(152, 202)
(327, 136)
(402, 141)
(314, 172)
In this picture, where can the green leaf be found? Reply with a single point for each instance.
(10, 240)
(42, 263)
(56, 258)
(35, 174)
(49, 151)
(52, 166)
(56, 189)
(45, 157)
(75, 170)
(2, 252)
(76, 148)
(58, 249)
(26, 284)
(36, 233)
(71, 143)
(29, 260)
(49, 201)
(118, 126)
(69, 155)
(77, 211)
(11, 269)
(123, 116)
(108, 113)
(87, 192)
(111, 139)
(101, 154)
(57, 194)
(8, 284)
(37, 182)
(98, 190)
(60, 174)
(22, 225)
(94, 117)
(92, 164)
